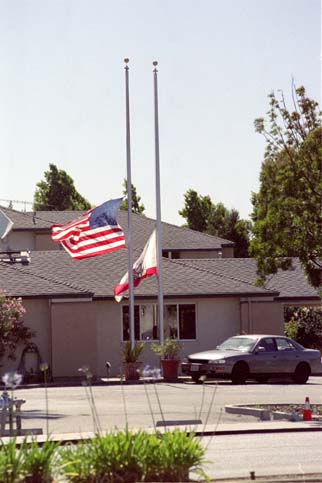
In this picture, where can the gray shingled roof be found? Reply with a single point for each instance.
(54, 273)
(174, 237)
(289, 283)
(23, 280)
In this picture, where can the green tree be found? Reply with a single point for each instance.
(196, 210)
(136, 206)
(215, 219)
(58, 193)
(304, 324)
(286, 214)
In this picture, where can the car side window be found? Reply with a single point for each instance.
(284, 345)
(268, 344)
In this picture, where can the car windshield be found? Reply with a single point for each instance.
(243, 344)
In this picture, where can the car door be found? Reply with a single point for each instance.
(264, 360)
(287, 355)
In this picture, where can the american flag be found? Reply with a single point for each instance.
(94, 233)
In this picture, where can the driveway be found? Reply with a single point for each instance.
(70, 409)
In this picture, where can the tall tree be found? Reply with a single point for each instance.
(136, 206)
(215, 219)
(57, 192)
(196, 210)
(287, 209)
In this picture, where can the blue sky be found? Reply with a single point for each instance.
(62, 92)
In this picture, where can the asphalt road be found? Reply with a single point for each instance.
(266, 455)
(70, 408)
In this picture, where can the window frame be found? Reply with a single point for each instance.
(177, 304)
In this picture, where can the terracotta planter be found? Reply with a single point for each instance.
(170, 369)
(130, 370)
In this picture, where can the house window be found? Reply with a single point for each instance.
(179, 321)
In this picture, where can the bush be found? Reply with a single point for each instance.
(12, 328)
(125, 456)
(170, 349)
(304, 324)
(30, 459)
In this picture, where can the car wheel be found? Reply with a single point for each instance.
(261, 379)
(196, 379)
(302, 373)
(239, 373)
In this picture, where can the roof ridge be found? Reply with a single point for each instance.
(186, 228)
(42, 277)
(29, 214)
(215, 273)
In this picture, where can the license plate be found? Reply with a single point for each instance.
(194, 367)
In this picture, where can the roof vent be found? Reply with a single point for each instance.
(22, 257)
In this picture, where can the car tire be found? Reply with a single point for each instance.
(262, 379)
(302, 373)
(196, 379)
(240, 373)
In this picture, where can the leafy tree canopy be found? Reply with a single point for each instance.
(58, 193)
(286, 214)
(203, 215)
(304, 324)
(136, 206)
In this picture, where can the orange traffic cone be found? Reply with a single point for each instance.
(307, 412)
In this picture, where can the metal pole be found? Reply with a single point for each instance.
(129, 206)
(158, 203)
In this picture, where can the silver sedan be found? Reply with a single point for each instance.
(258, 357)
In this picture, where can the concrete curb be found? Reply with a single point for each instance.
(198, 430)
(261, 413)
(308, 478)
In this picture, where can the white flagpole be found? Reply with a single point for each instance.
(129, 206)
(158, 203)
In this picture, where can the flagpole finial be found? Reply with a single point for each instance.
(155, 63)
(126, 60)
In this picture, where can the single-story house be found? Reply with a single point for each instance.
(208, 295)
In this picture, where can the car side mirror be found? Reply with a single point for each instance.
(260, 349)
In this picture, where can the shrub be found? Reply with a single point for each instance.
(170, 349)
(131, 354)
(125, 456)
(12, 328)
(39, 461)
(11, 463)
(304, 324)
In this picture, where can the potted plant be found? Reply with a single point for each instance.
(130, 356)
(169, 352)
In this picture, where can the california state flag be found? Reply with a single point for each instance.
(145, 266)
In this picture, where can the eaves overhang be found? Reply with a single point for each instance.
(193, 295)
(310, 298)
(39, 296)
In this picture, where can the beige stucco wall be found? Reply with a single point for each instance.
(74, 338)
(72, 334)
(18, 240)
(228, 252)
(262, 316)
(37, 317)
(217, 319)
(225, 253)
(43, 241)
